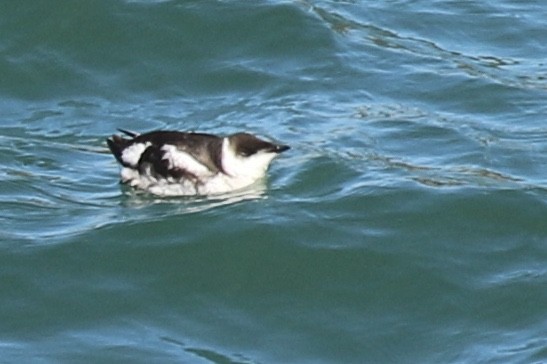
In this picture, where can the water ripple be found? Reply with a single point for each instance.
(512, 72)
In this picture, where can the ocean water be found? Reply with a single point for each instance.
(407, 224)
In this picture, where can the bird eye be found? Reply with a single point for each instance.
(246, 153)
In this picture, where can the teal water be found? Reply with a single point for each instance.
(408, 223)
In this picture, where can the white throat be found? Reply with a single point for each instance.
(244, 167)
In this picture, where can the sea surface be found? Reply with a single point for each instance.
(407, 224)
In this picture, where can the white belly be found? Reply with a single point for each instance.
(215, 184)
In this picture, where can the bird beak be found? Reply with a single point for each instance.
(281, 148)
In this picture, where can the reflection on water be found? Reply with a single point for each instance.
(192, 204)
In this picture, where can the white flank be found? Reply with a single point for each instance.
(128, 174)
(182, 160)
(132, 154)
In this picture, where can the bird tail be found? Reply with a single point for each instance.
(117, 144)
(132, 134)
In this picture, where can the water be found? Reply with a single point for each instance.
(407, 224)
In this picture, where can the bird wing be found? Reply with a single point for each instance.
(180, 161)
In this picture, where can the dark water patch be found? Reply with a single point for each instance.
(76, 50)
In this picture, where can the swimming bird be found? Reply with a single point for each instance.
(174, 163)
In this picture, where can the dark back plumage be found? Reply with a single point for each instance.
(205, 148)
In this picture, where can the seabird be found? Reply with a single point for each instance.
(173, 163)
